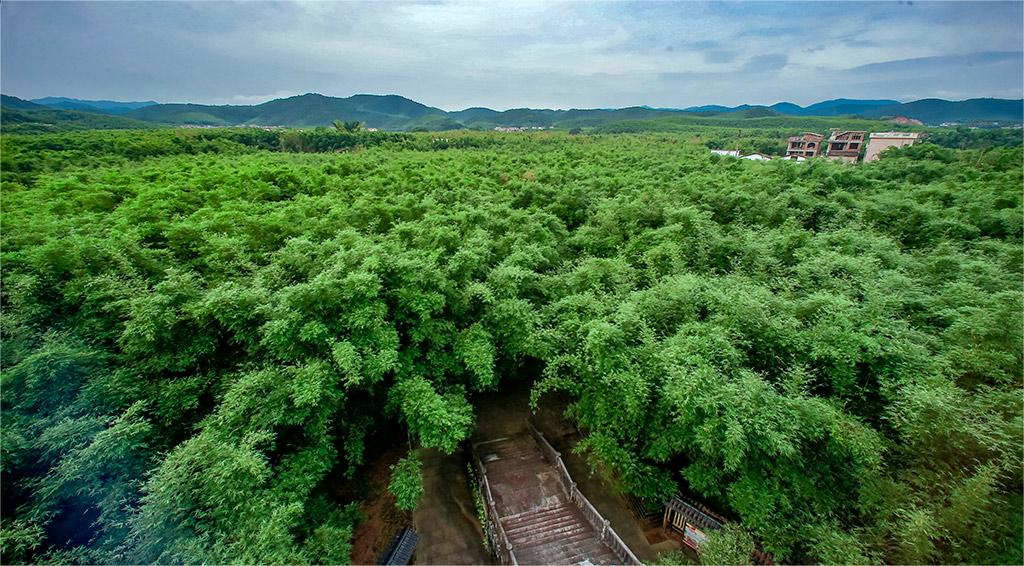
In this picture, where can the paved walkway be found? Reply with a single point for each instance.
(446, 517)
(601, 492)
(542, 524)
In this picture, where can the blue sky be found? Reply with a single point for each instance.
(514, 54)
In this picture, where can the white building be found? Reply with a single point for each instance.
(728, 152)
(757, 157)
(881, 141)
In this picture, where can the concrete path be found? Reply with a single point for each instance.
(446, 517)
(601, 492)
(542, 524)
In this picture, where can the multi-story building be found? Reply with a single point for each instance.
(806, 145)
(882, 141)
(845, 146)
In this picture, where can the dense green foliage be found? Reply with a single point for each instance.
(976, 138)
(201, 328)
(407, 482)
(727, 547)
(47, 120)
(19, 116)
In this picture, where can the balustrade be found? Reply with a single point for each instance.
(590, 513)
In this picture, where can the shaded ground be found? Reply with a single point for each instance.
(450, 532)
(380, 518)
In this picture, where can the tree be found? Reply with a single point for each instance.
(729, 546)
(348, 126)
(407, 482)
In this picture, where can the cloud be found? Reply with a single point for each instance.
(769, 62)
(944, 63)
(253, 98)
(548, 54)
(703, 45)
(719, 56)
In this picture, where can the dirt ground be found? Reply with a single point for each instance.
(445, 519)
(381, 519)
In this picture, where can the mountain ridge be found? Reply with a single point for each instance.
(396, 112)
(23, 116)
(101, 106)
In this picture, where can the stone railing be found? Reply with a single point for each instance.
(495, 531)
(593, 517)
(695, 515)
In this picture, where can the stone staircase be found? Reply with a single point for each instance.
(542, 524)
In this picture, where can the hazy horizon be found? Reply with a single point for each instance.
(454, 55)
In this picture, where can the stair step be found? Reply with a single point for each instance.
(572, 538)
(542, 531)
(511, 520)
(533, 518)
(595, 552)
(552, 535)
(552, 522)
(580, 538)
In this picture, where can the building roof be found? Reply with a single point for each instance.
(837, 133)
(807, 136)
(896, 135)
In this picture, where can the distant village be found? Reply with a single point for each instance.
(521, 128)
(845, 146)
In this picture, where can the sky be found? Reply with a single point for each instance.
(513, 54)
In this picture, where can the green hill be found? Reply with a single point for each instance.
(18, 104)
(397, 113)
(936, 111)
(390, 112)
(101, 106)
(19, 116)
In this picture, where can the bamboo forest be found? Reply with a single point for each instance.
(210, 335)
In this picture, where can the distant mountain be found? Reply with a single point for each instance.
(756, 112)
(393, 112)
(930, 111)
(19, 116)
(837, 107)
(475, 113)
(18, 103)
(102, 106)
(842, 107)
(716, 108)
(934, 111)
(389, 112)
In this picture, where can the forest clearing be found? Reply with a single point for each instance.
(220, 345)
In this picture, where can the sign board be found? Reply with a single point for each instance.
(693, 536)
